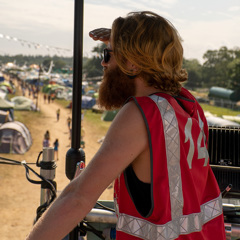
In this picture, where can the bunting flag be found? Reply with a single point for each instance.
(35, 45)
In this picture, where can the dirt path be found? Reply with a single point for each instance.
(19, 198)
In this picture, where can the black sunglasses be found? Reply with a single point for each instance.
(106, 55)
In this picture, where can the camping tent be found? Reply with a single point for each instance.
(6, 86)
(5, 117)
(108, 116)
(3, 94)
(1, 77)
(23, 103)
(52, 88)
(14, 138)
(88, 102)
(7, 106)
(4, 104)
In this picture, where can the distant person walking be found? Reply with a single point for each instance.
(53, 97)
(46, 142)
(56, 145)
(58, 114)
(45, 98)
(82, 135)
(69, 120)
(47, 135)
(49, 98)
(46, 139)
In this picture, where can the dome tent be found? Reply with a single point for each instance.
(23, 103)
(7, 106)
(14, 138)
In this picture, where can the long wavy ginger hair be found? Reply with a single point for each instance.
(153, 45)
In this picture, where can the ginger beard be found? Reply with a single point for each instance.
(115, 88)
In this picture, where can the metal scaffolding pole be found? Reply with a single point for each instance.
(75, 154)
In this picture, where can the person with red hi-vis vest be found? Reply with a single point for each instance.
(155, 148)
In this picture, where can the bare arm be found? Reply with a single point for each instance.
(125, 140)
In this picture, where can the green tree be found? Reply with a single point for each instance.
(92, 67)
(194, 69)
(59, 64)
(234, 73)
(215, 70)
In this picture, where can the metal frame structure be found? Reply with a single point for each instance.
(75, 154)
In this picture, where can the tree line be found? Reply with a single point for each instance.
(220, 67)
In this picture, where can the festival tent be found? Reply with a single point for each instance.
(57, 88)
(64, 94)
(4, 104)
(33, 81)
(7, 86)
(7, 106)
(47, 88)
(88, 102)
(5, 117)
(23, 103)
(108, 116)
(3, 94)
(14, 138)
(5, 89)
(52, 88)
(1, 77)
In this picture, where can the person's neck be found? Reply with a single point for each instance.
(142, 89)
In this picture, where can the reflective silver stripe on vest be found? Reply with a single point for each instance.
(180, 224)
(172, 141)
(171, 230)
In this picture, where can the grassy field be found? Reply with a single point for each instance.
(26, 116)
(95, 120)
(219, 111)
(91, 117)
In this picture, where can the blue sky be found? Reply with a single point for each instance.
(46, 26)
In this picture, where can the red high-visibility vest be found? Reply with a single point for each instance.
(186, 200)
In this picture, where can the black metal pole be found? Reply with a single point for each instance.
(77, 73)
(75, 154)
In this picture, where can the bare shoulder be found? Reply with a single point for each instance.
(129, 112)
(129, 120)
(128, 132)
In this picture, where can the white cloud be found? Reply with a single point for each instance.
(201, 36)
(51, 22)
(234, 8)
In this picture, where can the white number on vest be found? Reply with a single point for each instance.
(202, 151)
